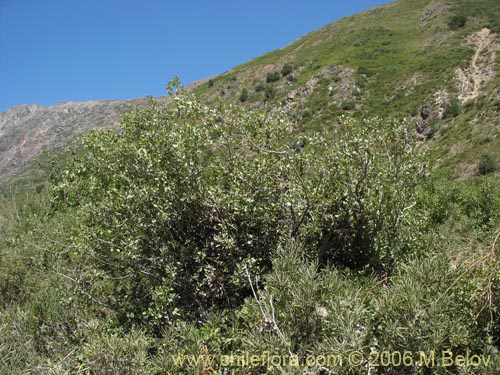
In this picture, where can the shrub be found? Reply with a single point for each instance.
(173, 209)
(453, 108)
(286, 70)
(167, 218)
(210, 83)
(259, 86)
(487, 164)
(273, 77)
(457, 22)
(270, 92)
(314, 64)
(347, 106)
(244, 95)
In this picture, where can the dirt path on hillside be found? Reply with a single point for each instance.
(471, 81)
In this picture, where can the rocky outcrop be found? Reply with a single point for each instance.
(428, 117)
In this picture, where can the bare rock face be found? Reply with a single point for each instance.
(27, 130)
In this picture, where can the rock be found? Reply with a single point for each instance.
(428, 112)
(427, 124)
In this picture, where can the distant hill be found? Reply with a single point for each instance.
(27, 130)
(434, 62)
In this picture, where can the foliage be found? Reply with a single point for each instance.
(487, 164)
(244, 95)
(273, 77)
(259, 86)
(457, 22)
(453, 108)
(270, 92)
(345, 243)
(171, 209)
(347, 106)
(286, 70)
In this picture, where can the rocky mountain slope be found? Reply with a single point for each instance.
(435, 63)
(27, 130)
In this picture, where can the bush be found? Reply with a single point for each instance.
(273, 77)
(168, 220)
(244, 95)
(453, 108)
(173, 209)
(314, 64)
(270, 92)
(457, 22)
(286, 70)
(347, 106)
(487, 164)
(259, 86)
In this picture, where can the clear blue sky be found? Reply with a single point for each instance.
(77, 50)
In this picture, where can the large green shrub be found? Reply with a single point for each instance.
(175, 207)
(270, 92)
(171, 209)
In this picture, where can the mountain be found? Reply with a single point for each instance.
(27, 130)
(434, 62)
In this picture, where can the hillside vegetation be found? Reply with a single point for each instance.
(332, 207)
(412, 59)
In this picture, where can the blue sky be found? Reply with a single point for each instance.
(77, 50)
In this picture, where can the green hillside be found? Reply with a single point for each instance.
(390, 60)
(332, 207)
